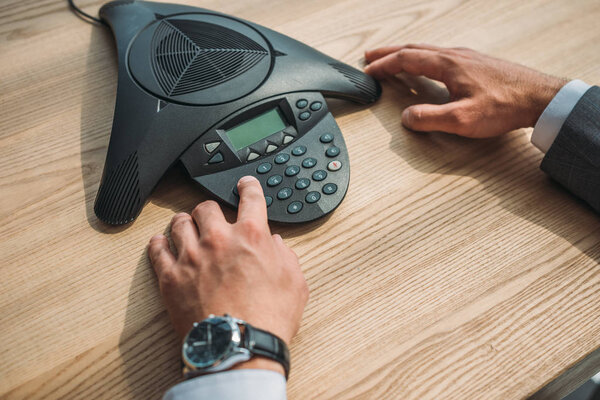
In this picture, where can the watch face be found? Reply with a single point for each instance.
(207, 342)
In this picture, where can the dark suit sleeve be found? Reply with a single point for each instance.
(573, 160)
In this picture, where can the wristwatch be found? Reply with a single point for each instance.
(220, 342)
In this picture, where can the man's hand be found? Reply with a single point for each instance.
(239, 269)
(488, 96)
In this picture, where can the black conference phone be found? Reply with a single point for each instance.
(226, 98)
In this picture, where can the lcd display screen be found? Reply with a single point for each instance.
(256, 129)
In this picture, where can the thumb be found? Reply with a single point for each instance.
(433, 117)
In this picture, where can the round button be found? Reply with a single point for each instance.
(330, 188)
(304, 116)
(309, 162)
(333, 151)
(294, 207)
(269, 200)
(319, 175)
(301, 103)
(334, 165)
(312, 197)
(299, 150)
(302, 183)
(316, 106)
(274, 180)
(326, 138)
(284, 193)
(282, 158)
(264, 168)
(292, 170)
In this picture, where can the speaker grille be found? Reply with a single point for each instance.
(188, 56)
(364, 83)
(118, 200)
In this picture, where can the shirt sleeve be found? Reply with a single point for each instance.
(552, 119)
(246, 384)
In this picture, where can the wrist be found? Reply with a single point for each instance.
(540, 95)
(258, 362)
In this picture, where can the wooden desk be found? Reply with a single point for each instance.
(453, 269)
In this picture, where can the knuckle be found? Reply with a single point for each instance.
(180, 218)
(204, 207)
(252, 226)
(213, 236)
(168, 279)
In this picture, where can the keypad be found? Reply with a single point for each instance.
(319, 175)
(330, 188)
(282, 158)
(274, 180)
(302, 183)
(301, 193)
(292, 170)
(294, 207)
(299, 150)
(309, 162)
(284, 193)
(312, 197)
(333, 151)
(264, 168)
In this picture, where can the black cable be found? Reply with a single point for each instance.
(83, 15)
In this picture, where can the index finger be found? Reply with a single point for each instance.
(413, 61)
(375, 54)
(252, 200)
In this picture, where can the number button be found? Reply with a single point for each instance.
(294, 207)
(268, 200)
(326, 138)
(299, 150)
(309, 162)
(302, 183)
(264, 168)
(292, 170)
(330, 188)
(282, 158)
(284, 193)
(312, 197)
(319, 175)
(274, 180)
(333, 151)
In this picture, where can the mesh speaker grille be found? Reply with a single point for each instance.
(363, 83)
(118, 200)
(188, 56)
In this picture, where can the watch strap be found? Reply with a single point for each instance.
(263, 343)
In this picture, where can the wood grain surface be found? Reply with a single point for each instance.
(453, 269)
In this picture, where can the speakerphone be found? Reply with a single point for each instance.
(225, 98)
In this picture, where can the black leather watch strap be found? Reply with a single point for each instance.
(263, 343)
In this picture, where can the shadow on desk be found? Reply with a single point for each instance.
(506, 167)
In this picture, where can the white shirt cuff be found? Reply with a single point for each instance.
(554, 116)
(247, 384)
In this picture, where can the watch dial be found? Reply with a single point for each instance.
(207, 342)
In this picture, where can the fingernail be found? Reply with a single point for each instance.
(247, 179)
(406, 116)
